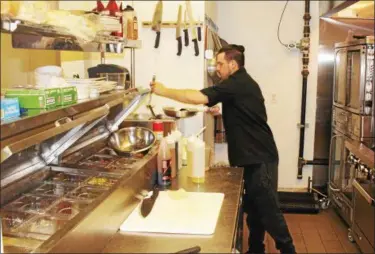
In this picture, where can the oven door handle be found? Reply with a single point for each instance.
(363, 193)
(330, 161)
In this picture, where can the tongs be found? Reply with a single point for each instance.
(154, 116)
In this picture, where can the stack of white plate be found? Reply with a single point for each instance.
(87, 87)
(109, 24)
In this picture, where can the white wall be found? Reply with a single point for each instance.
(278, 71)
(185, 71)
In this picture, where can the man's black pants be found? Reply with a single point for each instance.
(262, 206)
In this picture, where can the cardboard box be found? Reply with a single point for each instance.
(9, 108)
(36, 98)
(68, 95)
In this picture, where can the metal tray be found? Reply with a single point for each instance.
(31, 204)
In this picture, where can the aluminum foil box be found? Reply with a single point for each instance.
(68, 95)
(10, 108)
(36, 97)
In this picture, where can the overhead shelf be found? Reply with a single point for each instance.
(28, 35)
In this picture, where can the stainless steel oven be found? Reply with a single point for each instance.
(364, 201)
(359, 187)
(354, 76)
(357, 127)
(337, 176)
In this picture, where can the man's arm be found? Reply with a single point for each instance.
(188, 96)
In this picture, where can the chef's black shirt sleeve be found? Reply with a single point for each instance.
(223, 92)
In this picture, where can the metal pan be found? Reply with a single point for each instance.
(181, 113)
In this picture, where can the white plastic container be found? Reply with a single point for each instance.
(48, 76)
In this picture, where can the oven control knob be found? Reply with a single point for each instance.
(368, 86)
(367, 110)
(368, 97)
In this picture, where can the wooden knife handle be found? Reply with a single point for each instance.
(196, 48)
(199, 33)
(179, 46)
(186, 37)
(195, 249)
(157, 41)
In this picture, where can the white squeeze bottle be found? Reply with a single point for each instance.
(164, 164)
(184, 143)
(198, 167)
(172, 149)
(190, 155)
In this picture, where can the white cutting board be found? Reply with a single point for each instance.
(178, 212)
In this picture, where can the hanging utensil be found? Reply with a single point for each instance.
(199, 28)
(178, 31)
(156, 22)
(149, 101)
(186, 31)
(193, 28)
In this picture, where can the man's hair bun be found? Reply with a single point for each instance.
(239, 48)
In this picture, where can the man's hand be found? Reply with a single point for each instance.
(214, 111)
(157, 88)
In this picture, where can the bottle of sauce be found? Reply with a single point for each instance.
(172, 149)
(135, 27)
(158, 129)
(128, 20)
(164, 164)
(178, 139)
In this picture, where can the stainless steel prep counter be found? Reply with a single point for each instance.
(225, 180)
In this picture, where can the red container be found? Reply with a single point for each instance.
(158, 128)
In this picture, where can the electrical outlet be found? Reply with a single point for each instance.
(273, 98)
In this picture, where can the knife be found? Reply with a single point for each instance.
(156, 21)
(195, 249)
(178, 31)
(199, 31)
(186, 32)
(193, 29)
(148, 203)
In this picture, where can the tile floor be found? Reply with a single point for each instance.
(321, 233)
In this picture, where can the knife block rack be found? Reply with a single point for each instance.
(170, 24)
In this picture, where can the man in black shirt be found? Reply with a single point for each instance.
(250, 143)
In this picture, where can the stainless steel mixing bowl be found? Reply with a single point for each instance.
(132, 140)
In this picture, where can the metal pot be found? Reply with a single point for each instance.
(132, 140)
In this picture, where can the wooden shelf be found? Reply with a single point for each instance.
(170, 24)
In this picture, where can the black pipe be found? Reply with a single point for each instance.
(305, 48)
(317, 162)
